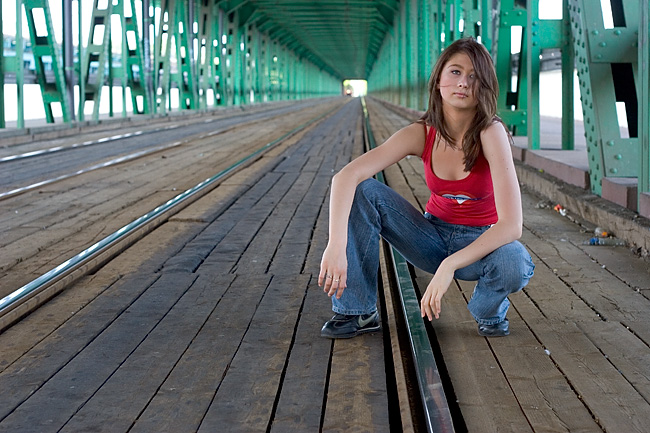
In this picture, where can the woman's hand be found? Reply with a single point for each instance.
(430, 304)
(333, 271)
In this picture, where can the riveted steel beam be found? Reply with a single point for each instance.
(53, 89)
(607, 75)
(644, 98)
(2, 74)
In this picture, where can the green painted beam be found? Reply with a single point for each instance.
(43, 46)
(606, 76)
(2, 74)
(644, 100)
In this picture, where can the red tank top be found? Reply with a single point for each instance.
(468, 201)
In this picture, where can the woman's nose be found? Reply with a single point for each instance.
(462, 82)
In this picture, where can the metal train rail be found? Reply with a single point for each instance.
(434, 407)
(33, 294)
(171, 135)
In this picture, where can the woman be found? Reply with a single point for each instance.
(472, 220)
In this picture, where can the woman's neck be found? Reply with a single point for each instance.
(458, 122)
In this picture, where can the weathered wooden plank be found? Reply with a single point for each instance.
(68, 390)
(625, 351)
(183, 399)
(480, 385)
(356, 397)
(300, 403)
(259, 254)
(244, 401)
(544, 394)
(25, 374)
(234, 230)
(147, 367)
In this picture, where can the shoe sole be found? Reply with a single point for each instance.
(494, 335)
(354, 334)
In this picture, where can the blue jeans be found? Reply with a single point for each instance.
(425, 241)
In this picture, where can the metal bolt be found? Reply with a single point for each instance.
(618, 157)
(610, 143)
(617, 32)
(613, 170)
(603, 44)
(595, 33)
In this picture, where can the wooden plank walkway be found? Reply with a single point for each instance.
(211, 323)
(578, 357)
(218, 329)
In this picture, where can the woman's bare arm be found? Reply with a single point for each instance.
(507, 196)
(407, 141)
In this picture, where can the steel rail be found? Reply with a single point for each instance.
(38, 291)
(432, 395)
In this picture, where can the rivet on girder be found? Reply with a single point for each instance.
(617, 32)
(610, 143)
(599, 56)
(613, 170)
(603, 44)
(618, 157)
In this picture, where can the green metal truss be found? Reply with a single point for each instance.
(131, 72)
(44, 46)
(98, 68)
(208, 52)
(96, 55)
(607, 63)
(2, 75)
(644, 99)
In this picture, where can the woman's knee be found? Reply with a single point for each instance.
(512, 265)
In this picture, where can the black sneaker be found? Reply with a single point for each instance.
(500, 329)
(343, 326)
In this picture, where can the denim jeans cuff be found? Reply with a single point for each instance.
(490, 321)
(352, 312)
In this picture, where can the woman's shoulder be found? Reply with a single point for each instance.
(495, 131)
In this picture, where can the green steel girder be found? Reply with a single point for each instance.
(644, 99)
(96, 53)
(207, 69)
(544, 34)
(513, 101)
(185, 75)
(44, 45)
(131, 71)
(607, 74)
(2, 74)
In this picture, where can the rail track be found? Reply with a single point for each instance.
(26, 297)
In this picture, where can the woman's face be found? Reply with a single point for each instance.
(457, 82)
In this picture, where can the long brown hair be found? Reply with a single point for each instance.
(485, 89)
